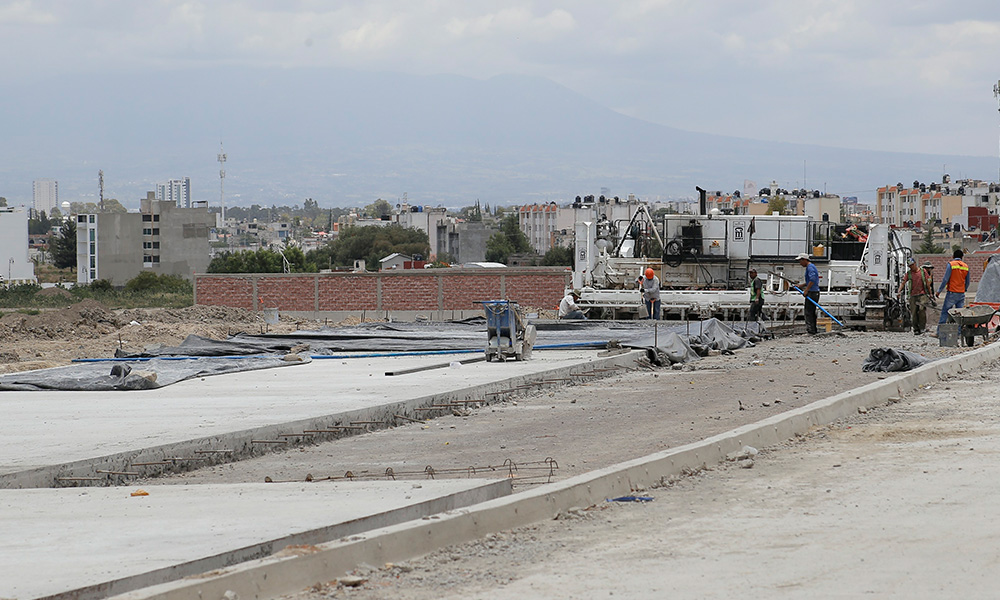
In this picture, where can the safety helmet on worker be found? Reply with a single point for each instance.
(650, 274)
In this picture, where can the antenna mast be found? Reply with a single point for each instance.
(996, 94)
(222, 182)
(100, 186)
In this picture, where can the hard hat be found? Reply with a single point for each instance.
(650, 274)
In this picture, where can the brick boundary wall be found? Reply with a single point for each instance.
(976, 262)
(412, 290)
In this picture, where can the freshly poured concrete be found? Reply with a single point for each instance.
(56, 540)
(53, 428)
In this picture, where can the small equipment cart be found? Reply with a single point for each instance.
(507, 333)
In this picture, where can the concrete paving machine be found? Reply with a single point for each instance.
(702, 262)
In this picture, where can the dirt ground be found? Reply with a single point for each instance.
(54, 337)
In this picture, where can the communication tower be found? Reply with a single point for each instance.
(996, 94)
(100, 187)
(222, 182)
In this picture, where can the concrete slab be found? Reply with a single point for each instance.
(46, 429)
(95, 542)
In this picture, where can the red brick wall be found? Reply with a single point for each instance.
(536, 292)
(975, 261)
(437, 289)
(226, 290)
(409, 292)
(462, 292)
(287, 292)
(348, 291)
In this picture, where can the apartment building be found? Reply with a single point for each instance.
(548, 225)
(177, 191)
(947, 202)
(162, 237)
(45, 195)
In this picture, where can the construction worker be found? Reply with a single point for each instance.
(568, 308)
(650, 286)
(756, 296)
(920, 283)
(810, 291)
(956, 281)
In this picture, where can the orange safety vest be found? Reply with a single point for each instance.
(959, 271)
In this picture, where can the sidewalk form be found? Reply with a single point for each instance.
(275, 576)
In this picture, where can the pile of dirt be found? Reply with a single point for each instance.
(192, 314)
(86, 319)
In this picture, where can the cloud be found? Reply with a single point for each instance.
(838, 72)
(24, 13)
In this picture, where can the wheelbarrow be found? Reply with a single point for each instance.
(973, 320)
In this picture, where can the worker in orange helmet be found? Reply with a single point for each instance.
(650, 286)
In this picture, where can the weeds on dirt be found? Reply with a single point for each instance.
(148, 290)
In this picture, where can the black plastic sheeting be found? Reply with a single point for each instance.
(129, 375)
(664, 342)
(889, 359)
(676, 342)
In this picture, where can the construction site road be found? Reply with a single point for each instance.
(589, 425)
(897, 502)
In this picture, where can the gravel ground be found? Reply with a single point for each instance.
(895, 503)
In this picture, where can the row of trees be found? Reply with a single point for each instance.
(371, 243)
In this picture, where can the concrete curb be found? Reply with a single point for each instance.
(279, 575)
(239, 445)
(487, 491)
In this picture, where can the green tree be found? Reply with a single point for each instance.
(472, 214)
(777, 204)
(378, 209)
(247, 261)
(372, 243)
(150, 282)
(63, 246)
(40, 225)
(509, 240)
(927, 245)
(112, 205)
(558, 256)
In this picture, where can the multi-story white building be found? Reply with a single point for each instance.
(177, 191)
(424, 218)
(14, 264)
(45, 195)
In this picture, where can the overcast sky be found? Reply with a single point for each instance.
(900, 75)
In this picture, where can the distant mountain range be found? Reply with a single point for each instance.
(346, 138)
